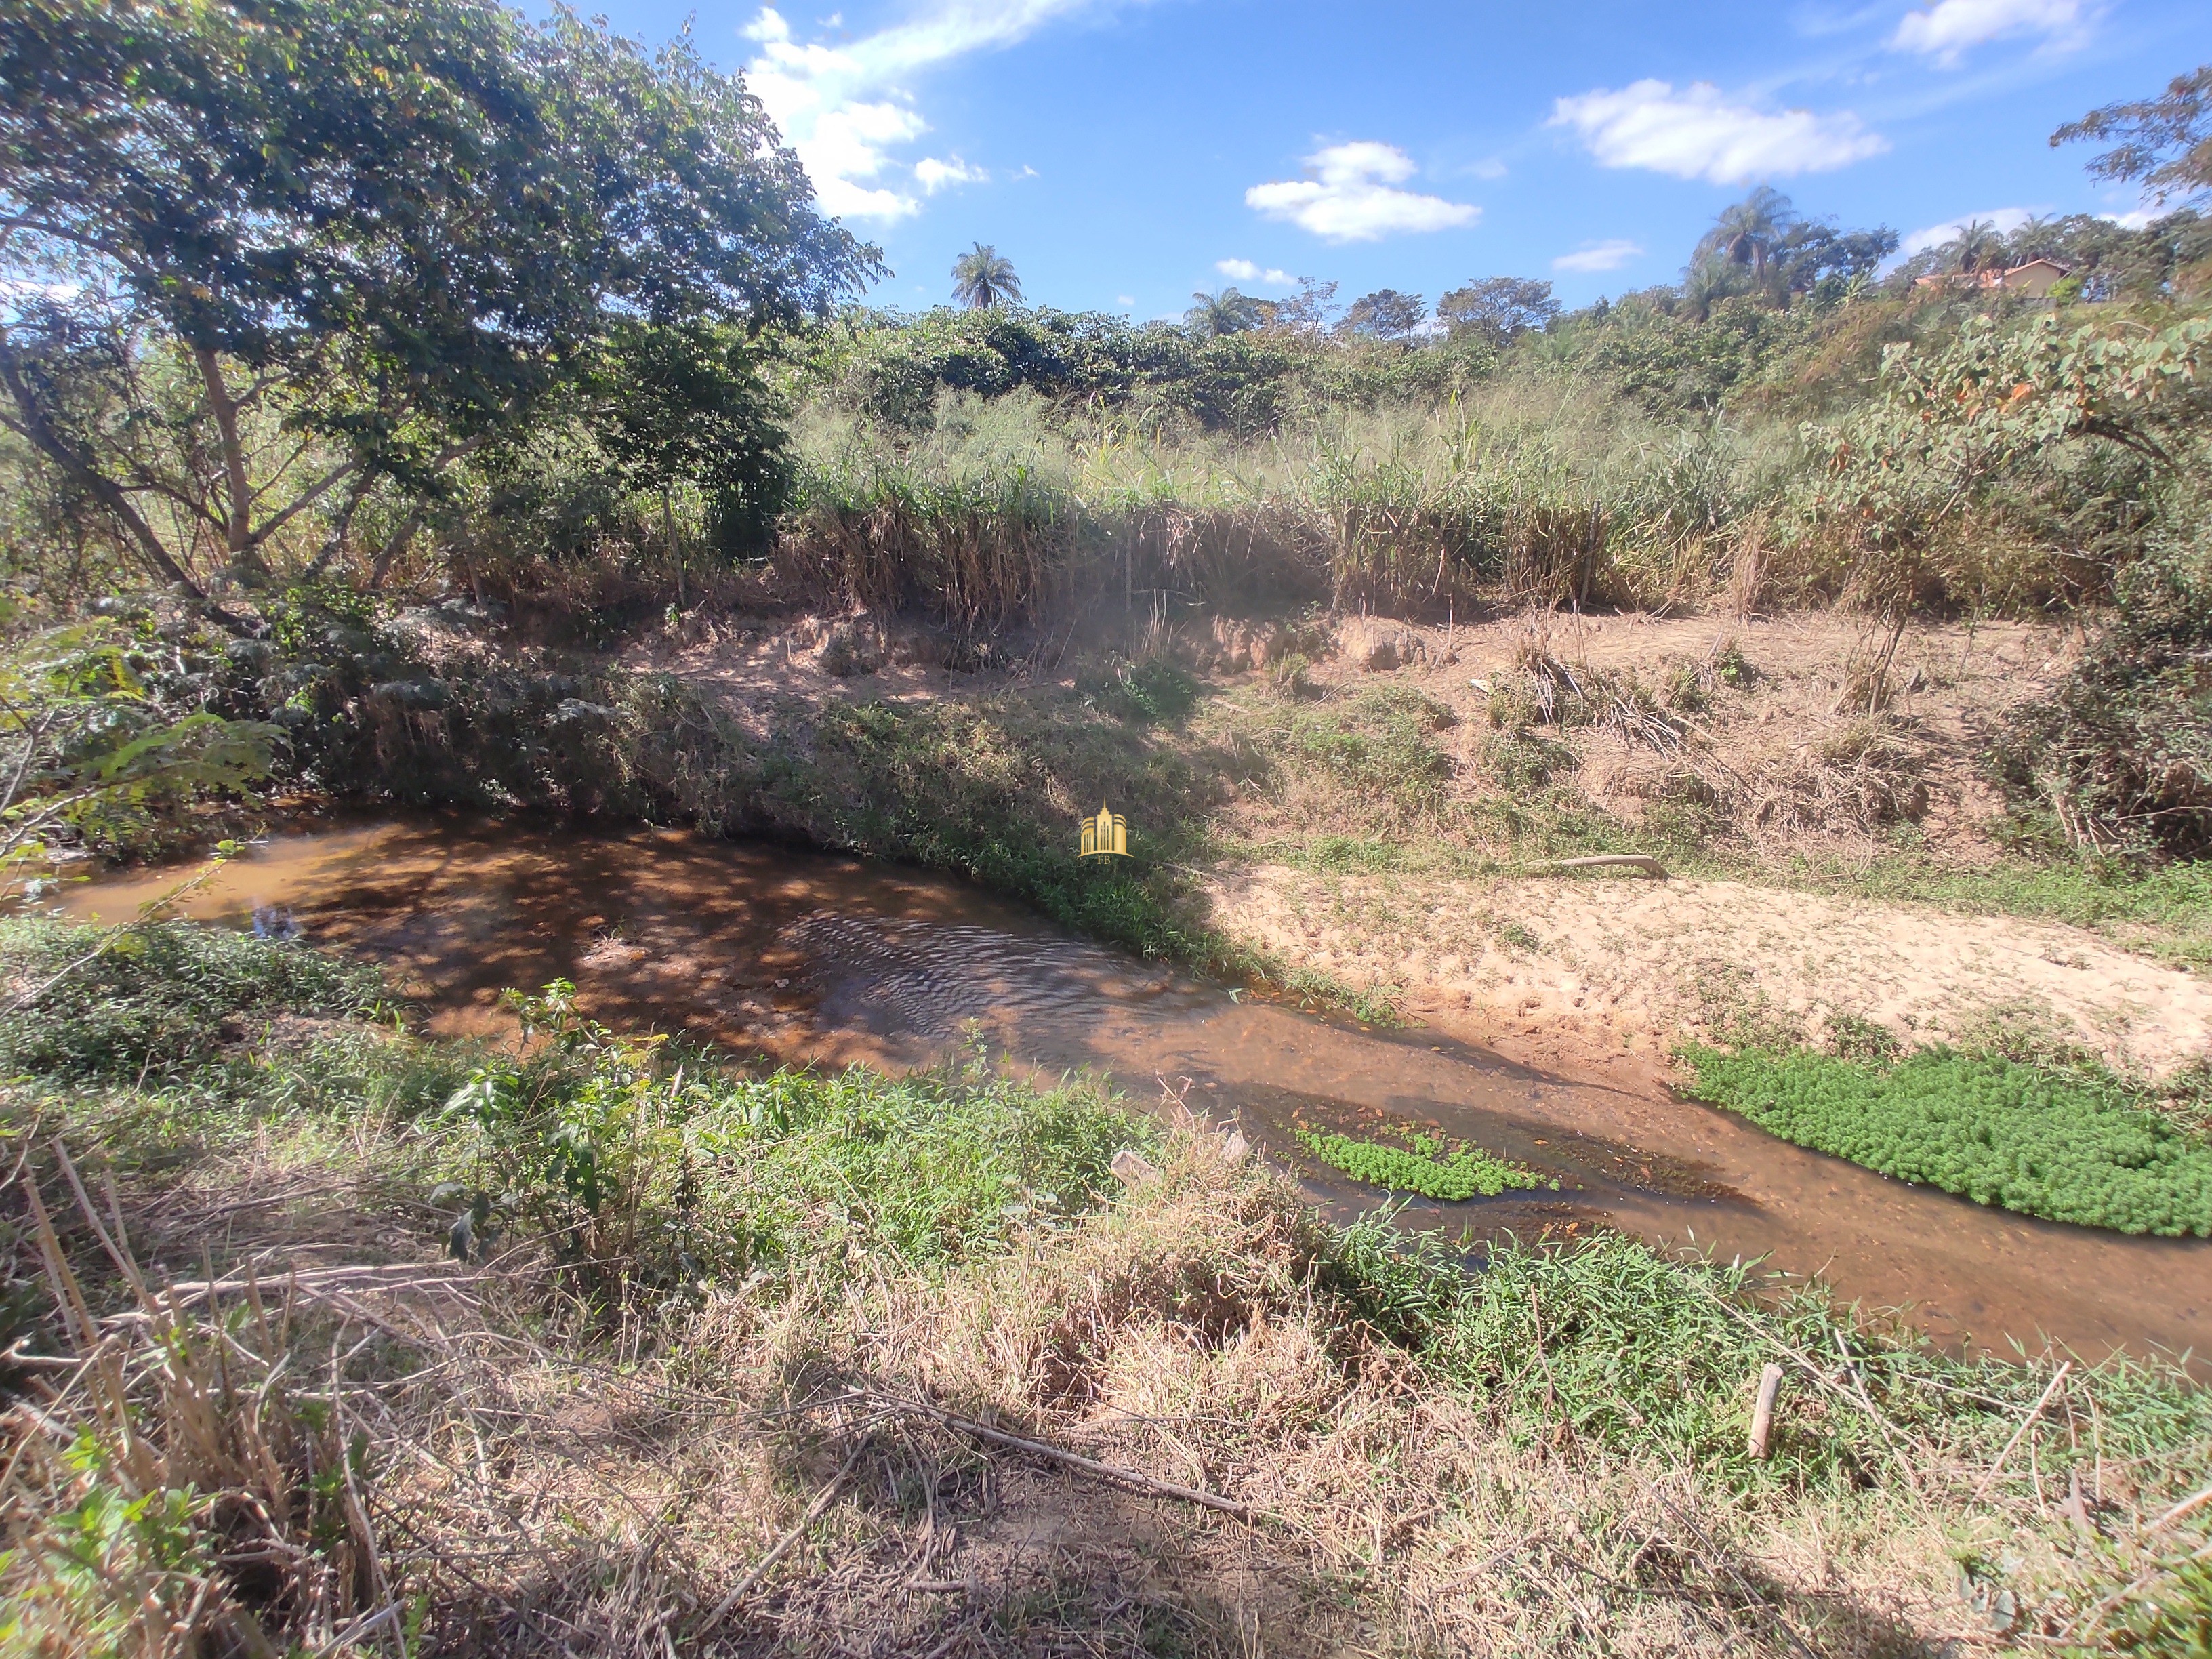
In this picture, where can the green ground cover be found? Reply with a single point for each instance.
(1431, 1168)
(2062, 1146)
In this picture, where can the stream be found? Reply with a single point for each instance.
(814, 959)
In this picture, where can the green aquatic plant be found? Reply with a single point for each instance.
(1429, 1168)
(2060, 1146)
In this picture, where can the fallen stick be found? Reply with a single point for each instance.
(393, 1275)
(1762, 1414)
(782, 1546)
(2188, 1505)
(1072, 1460)
(2026, 1424)
(1644, 861)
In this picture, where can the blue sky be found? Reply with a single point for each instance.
(1124, 153)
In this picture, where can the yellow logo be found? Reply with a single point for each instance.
(1106, 836)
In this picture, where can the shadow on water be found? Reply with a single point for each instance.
(814, 959)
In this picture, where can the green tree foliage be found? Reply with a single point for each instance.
(1748, 232)
(1990, 1130)
(688, 401)
(1385, 314)
(1497, 310)
(983, 278)
(1992, 411)
(357, 241)
(105, 735)
(1213, 315)
(2164, 144)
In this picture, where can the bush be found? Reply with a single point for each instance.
(156, 1000)
(2121, 754)
(2042, 1143)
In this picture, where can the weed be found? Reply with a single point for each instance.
(156, 1000)
(1854, 1036)
(1431, 1168)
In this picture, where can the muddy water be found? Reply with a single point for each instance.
(831, 960)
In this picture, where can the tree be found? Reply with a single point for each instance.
(1226, 312)
(1306, 312)
(983, 278)
(1814, 253)
(1497, 309)
(276, 253)
(1385, 314)
(1977, 246)
(1747, 233)
(2164, 142)
(686, 401)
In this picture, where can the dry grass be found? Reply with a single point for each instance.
(753, 1481)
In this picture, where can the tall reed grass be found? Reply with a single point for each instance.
(1539, 488)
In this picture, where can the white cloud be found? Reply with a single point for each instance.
(933, 175)
(843, 107)
(1948, 28)
(1353, 196)
(2006, 219)
(1125, 300)
(1489, 167)
(1243, 271)
(1598, 255)
(1696, 133)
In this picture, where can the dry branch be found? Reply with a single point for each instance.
(1072, 1460)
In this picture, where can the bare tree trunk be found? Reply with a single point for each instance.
(392, 548)
(237, 522)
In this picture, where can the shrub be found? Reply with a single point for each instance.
(2041, 1143)
(156, 1000)
(2121, 754)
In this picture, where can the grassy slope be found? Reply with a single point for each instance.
(1541, 1458)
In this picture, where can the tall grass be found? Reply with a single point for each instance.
(1536, 488)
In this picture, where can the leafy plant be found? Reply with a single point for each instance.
(2042, 1143)
(1431, 1168)
(156, 1000)
(641, 1171)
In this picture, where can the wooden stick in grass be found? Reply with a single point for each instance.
(1060, 1455)
(1762, 1414)
(739, 1591)
(2027, 1423)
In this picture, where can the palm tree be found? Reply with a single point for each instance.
(1226, 313)
(981, 278)
(1747, 233)
(1978, 245)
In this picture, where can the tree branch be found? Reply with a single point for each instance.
(39, 428)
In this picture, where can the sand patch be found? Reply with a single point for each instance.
(1649, 962)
